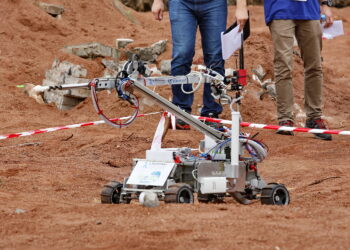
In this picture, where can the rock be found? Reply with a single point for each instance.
(70, 68)
(229, 72)
(154, 71)
(149, 199)
(65, 73)
(52, 9)
(111, 68)
(122, 42)
(110, 64)
(148, 54)
(271, 90)
(259, 72)
(92, 50)
(20, 211)
(165, 67)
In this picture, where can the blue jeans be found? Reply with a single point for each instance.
(185, 17)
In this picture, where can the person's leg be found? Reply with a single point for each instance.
(309, 36)
(183, 29)
(283, 32)
(212, 17)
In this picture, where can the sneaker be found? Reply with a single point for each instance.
(181, 125)
(318, 124)
(286, 123)
(214, 125)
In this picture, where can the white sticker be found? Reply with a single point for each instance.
(150, 173)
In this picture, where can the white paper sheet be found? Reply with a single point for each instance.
(231, 42)
(335, 30)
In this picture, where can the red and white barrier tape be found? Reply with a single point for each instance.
(80, 125)
(243, 124)
(275, 127)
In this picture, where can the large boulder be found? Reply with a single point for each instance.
(148, 54)
(92, 50)
(65, 73)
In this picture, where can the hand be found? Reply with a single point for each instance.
(329, 16)
(158, 9)
(241, 14)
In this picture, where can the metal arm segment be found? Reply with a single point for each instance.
(201, 126)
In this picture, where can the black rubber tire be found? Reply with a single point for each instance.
(275, 194)
(110, 193)
(179, 193)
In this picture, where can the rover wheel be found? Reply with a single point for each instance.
(275, 194)
(110, 194)
(179, 193)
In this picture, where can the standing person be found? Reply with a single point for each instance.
(185, 16)
(299, 18)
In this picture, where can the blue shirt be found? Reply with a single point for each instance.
(291, 10)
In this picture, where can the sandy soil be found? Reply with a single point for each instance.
(56, 178)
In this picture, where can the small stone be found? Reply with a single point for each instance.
(20, 211)
(229, 72)
(154, 71)
(149, 199)
(165, 67)
(259, 72)
(52, 9)
(122, 42)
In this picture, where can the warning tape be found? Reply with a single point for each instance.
(243, 124)
(80, 125)
(274, 127)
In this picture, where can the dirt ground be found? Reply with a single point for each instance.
(56, 178)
